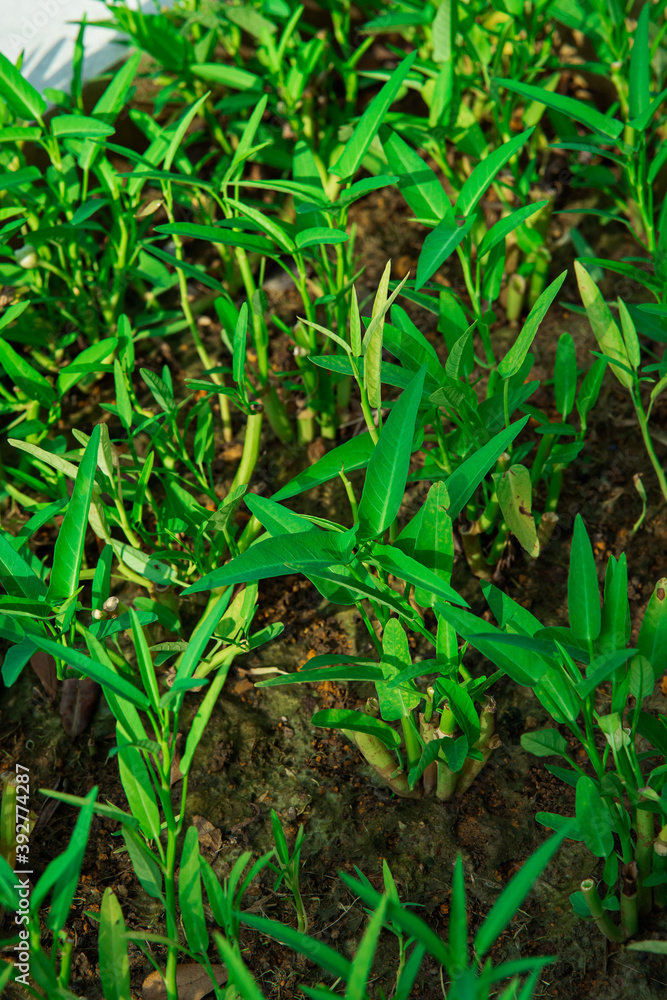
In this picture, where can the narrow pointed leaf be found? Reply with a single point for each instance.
(388, 467)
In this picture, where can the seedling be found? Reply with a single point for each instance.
(617, 805)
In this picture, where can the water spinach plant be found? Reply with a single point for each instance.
(591, 683)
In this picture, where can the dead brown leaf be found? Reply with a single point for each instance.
(193, 983)
(78, 704)
(45, 667)
(210, 838)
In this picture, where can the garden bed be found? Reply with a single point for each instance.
(176, 326)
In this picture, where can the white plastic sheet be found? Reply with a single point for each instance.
(42, 30)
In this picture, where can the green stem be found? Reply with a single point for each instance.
(486, 744)
(216, 377)
(602, 919)
(382, 761)
(643, 424)
(350, 496)
(251, 444)
(660, 867)
(170, 901)
(472, 548)
(412, 745)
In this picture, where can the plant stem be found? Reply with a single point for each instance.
(251, 444)
(486, 744)
(170, 901)
(660, 865)
(643, 424)
(412, 744)
(472, 548)
(645, 827)
(350, 496)
(382, 761)
(602, 919)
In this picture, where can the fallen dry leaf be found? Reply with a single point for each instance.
(210, 838)
(193, 983)
(45, 667)
(78, 704)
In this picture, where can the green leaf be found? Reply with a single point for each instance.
(503, 227)
(144, 864)
(62, 874)
(199, 640)
(144, 661)
(357, 722)
(452, 748)
(388, 467)
(515, 496)
(574, 110)
(203, 715)
(320, 236)
(522, 665)
(434, 544)
(616, 625)
(544, 743)
(112, 949)
(190, 897)
(652, 639)
(372, 342)
(29, 381)
(593, 818)
(630, 338)
(516, 355)
(68, 551)
(240, 334)
(583, 593)
(417, 182)
(399, 915)
(476, 184)
(462, 707)
(394, 560)
(134, 774)
(179, 129)
(196, 272)
(363, 960)
(243, 979)
(16, 576)
(247, 137)
(314, 950)
(214, 234)
(603, 324)
(639, 83)
(398, 701)
(642, 680)
(275, 230)
(21, 96)
(556, 691)
(438, 246)
(21, 133)
(279, 556)
(228, 76)
(589, 389)
(80, 127)
(87, 361)
(122, 396)
(357, 146)
(458, 917)
(514, 894)
(348, 457)
(93, 668)
(565, 374)
(464, 481)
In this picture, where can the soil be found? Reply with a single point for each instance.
(260, 751)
